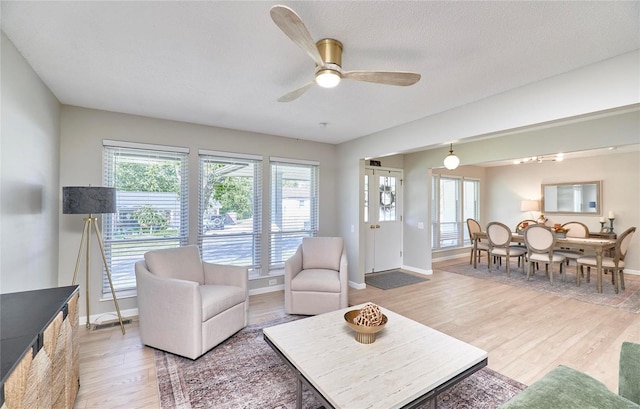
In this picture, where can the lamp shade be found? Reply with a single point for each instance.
(88, 200)
(529, 206)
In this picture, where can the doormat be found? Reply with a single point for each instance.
(387, 280)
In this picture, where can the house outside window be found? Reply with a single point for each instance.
(294, 207)
(152, 206)
(454, 200)
(230, 210)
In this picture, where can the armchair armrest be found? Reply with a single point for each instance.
(168, 308)
(293, 266)
(226, 275)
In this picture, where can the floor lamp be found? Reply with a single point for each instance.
(91, 200)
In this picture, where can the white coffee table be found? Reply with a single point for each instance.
(408, 364)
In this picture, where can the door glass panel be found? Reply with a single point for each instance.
(366, 198)
(387, 188)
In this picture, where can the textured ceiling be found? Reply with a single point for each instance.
(226, 63)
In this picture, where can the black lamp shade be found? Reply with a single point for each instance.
(88, 200)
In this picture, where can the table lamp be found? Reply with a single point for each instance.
(91, 200)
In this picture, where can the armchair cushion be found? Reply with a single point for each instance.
(322, 253)
(182, 263)
(219, 298)
(321, 280)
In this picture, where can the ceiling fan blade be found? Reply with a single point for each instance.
(296, 93)
(291, 24)
(383, 77)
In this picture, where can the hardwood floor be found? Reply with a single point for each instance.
(527, 333)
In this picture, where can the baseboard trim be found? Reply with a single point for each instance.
(447, 258)
(106, 318)
(265, 290)
(417, 270)
(357, 286)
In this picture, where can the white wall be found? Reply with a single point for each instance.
(597, 89)
(29, 206)
(619, 173)
(82, 133)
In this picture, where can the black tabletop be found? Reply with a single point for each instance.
(23, 316)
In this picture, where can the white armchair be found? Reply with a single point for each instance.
(316, 279)
(187, 306)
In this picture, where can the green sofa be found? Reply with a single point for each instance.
(566, 388)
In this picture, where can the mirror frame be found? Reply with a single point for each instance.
(598, 210)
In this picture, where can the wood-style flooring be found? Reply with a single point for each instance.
(527, 333)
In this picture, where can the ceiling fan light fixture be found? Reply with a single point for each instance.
(328, 78)
(451, 161)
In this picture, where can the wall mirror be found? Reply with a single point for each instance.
(571, 198)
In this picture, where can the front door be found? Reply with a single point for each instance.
(382, 219)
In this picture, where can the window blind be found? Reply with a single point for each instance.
(294, 208)
(230, 210)
(152, 207)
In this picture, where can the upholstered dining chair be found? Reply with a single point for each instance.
(187, 306)
(316, 279)
(574, 229)
(500, 245)
(474, 227)
(540, 241)
(520, 227)
(614, 264)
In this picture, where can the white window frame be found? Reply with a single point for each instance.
(285, 234)
(462, 236)
(210, 241)
(122, 252)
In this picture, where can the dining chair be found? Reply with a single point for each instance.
(500, 245)
(540, 241)
(474, 227)
(519, 227)
(614, 264)
(574, 229)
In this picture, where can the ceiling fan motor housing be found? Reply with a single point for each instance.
(330, 50)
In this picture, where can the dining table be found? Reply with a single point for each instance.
(598, 245)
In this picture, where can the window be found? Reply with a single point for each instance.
(152, 206)
(230, 225)
(294, 207)
(453, 201)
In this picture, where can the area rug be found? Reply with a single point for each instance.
(628, 300)
(244, 372)
(386, 280)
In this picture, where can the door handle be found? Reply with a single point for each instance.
(372, 227)
(377, 226)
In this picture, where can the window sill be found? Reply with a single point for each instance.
(120, 295)
(273, 273)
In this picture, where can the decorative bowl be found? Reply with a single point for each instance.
(364, 334)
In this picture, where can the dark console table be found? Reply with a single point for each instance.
(39, 348)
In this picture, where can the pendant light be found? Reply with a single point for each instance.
(451, 161)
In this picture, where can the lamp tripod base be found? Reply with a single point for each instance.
(89, 223)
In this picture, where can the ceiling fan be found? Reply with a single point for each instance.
(327, 54)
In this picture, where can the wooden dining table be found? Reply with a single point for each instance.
(598, 245)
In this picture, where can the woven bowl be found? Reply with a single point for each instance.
(364, 334)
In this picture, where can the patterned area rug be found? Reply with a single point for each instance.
(628, 300)
(244, 372)
(386, 280)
